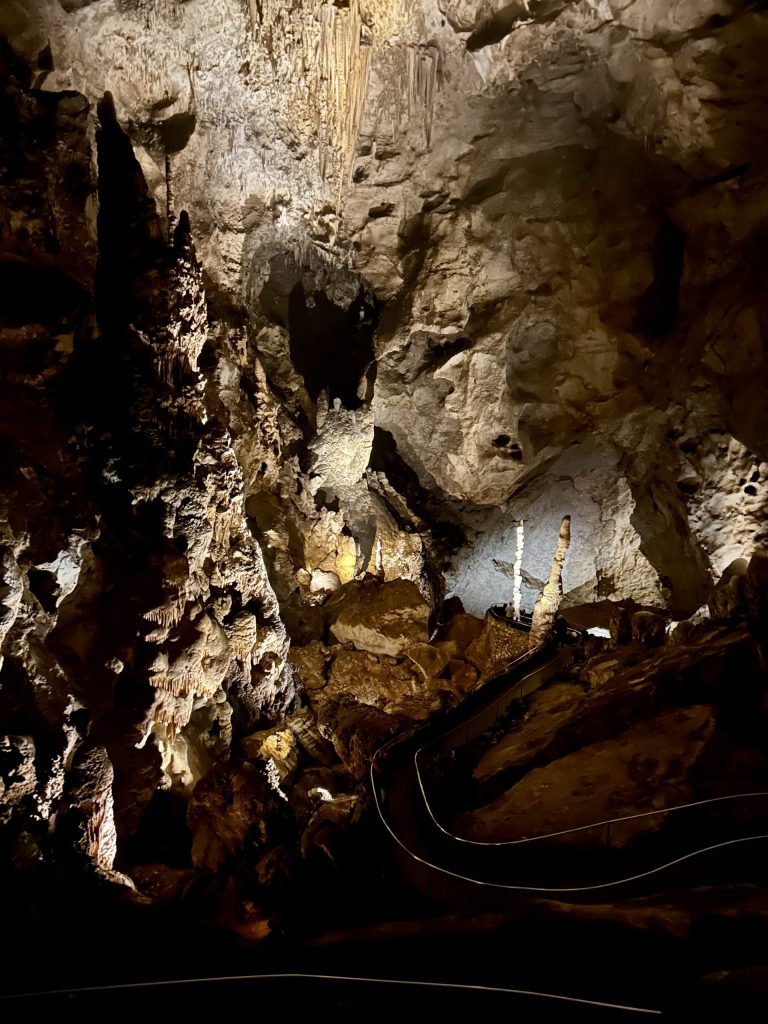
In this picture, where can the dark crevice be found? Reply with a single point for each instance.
(657, 306)
(44, 586)
(446, 532)
(331, 347)
(176, 131)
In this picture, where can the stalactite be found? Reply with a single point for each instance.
(422, 65)
(168, 615)
(344, 59)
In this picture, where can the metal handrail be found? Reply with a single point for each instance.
(563, 832)
(386, 748)
(302, 976)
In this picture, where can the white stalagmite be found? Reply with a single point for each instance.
(548, 601)
(513, 608)
(518, 568)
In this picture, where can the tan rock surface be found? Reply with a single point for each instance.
(429, 659)
(370, 679)
(309, 662)
(521, 199)
(724, 667)
(384, 619)
(646, 767)
(519, 242)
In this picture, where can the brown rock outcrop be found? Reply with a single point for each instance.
(382, 618)
(562, 718)
(646, 767)
(233, 804)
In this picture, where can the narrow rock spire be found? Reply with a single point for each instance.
(548, 601)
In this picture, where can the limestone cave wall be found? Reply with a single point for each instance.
(305, 307)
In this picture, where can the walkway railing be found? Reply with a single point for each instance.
(431, 876)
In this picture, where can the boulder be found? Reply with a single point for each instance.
(356, 732)
(621, 625)
(647, 767)
(309, 662)
(463, 676)
(232, 804)
(458, 633)
(649, 628)
(382, 618)
(276, 746)
(429, 659)
(377, 681)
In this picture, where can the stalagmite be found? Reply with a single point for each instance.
(548, 602)
(513, 608)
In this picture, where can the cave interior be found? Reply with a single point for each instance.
(384, 493)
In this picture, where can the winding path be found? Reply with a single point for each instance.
(470, 874)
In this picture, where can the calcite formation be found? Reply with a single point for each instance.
(548, 603)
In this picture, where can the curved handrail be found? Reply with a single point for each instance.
(302, 975)
(565, 831)
(582, 828)
(538, 888)
(551, 889)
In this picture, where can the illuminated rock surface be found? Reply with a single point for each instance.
(303, 309)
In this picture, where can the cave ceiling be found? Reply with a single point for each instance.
(510, 229)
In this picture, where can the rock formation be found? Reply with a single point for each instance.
(304, 308)
(548, 602)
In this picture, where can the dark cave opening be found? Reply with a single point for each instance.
(331, 347)
(44, 586)
(447, 533)
(657, 307)
(176, 131)
(35, 294)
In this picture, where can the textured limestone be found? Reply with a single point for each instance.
(430, 660)
(18, 778)
(607, 558)
(535, 189)
(86, 823)
(395, 686)
(385, 618)
(127, 562)
(647, 767)
(310, 662)
(564, 717)
(356, 731)
(519, 243)
(497, 646)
